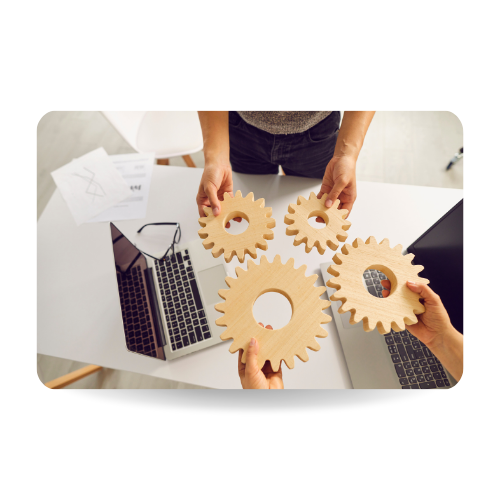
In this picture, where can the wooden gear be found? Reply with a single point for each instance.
(394, 311)
(330, 235)
(259, 221)
(286, 342)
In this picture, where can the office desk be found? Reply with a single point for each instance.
(79, 314)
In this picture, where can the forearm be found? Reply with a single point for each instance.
(215, 129)
(352, 133)
(450, 352)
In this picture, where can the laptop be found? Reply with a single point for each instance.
(168, 305)
(398, 359)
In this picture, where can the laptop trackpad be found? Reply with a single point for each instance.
(211, 281)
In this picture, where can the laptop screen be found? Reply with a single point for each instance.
(143, 330)
(441, 251)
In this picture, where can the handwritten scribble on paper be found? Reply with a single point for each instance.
(93, 188)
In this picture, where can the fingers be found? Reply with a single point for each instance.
(211, 192)
(386, 284)
(236, 219)
(425, 292)
(385, 293)
(269, 327)
(347, 206)
(251, 365)
(241, 366)
(320, 220)
(340, 184)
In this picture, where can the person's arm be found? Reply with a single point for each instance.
(217, 176)
(339, 180)
(435, 330)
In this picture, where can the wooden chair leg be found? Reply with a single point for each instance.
(189, 161)
(163, 161)
(68, 379)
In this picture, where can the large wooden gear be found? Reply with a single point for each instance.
(394, 311)
(286, 342)
(330, 235)
(259, 230)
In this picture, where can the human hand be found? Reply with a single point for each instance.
(434, 323)
(216, 180)
(251, 376)
(339, 182)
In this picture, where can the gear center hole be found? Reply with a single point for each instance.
(272, 308)
(311, 219)
(238, 226)
(379, 281)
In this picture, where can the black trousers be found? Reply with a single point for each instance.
(253, 151)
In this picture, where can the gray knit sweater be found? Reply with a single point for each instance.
(283, 122)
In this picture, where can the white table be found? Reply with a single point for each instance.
(78, 308)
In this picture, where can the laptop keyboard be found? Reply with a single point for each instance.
(186, 318)
(136, 319)
(415, 365)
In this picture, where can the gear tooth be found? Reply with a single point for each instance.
(368, 324)
(385, 242)
(418, 269)
(292, 208)
(320, 332)
(238, 194)
(312, 196)
(409, 256)
(398, 248)
(346, 249)
(251, 264)
(313, 345)
(325, 304)
(220, 307)
(290, 363)
(357, 242)
(303, 269)
(303, 356)
(262, 244)
(261, 203)
(268, 235)
(371, 241)
(275, 365)
(240, 254)
(290, 219)
(216, 251)
(290, 262)
(301, 200)
(223, 292)
(233, 347)
(344, 213)
(225, 335)
(202, 233)
(277, 259)
(325, 318)
(383, 328)
(410, 320)
(331, 270)
(250, 197)
(398, 325)
(268, 212)
(310, 280)
(230, 282)
(222, 321)
(252, 252)
(263, 260)
(229, 255)
(335, 205)
(240, 271)
(227, 196)
(337, 259)
(202, 221)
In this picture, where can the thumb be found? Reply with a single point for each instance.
(338, 187)
(211, 192)
(251, 364)
(425, 292)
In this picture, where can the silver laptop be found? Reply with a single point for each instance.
(168, 305)
(398, 359)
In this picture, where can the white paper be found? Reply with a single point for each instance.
(136, 170)
(90, 185)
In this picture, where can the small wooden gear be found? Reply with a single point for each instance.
(394, 311)
(286, 342)
(259, 230)
(331, 234)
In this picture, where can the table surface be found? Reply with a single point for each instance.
(79, 314)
